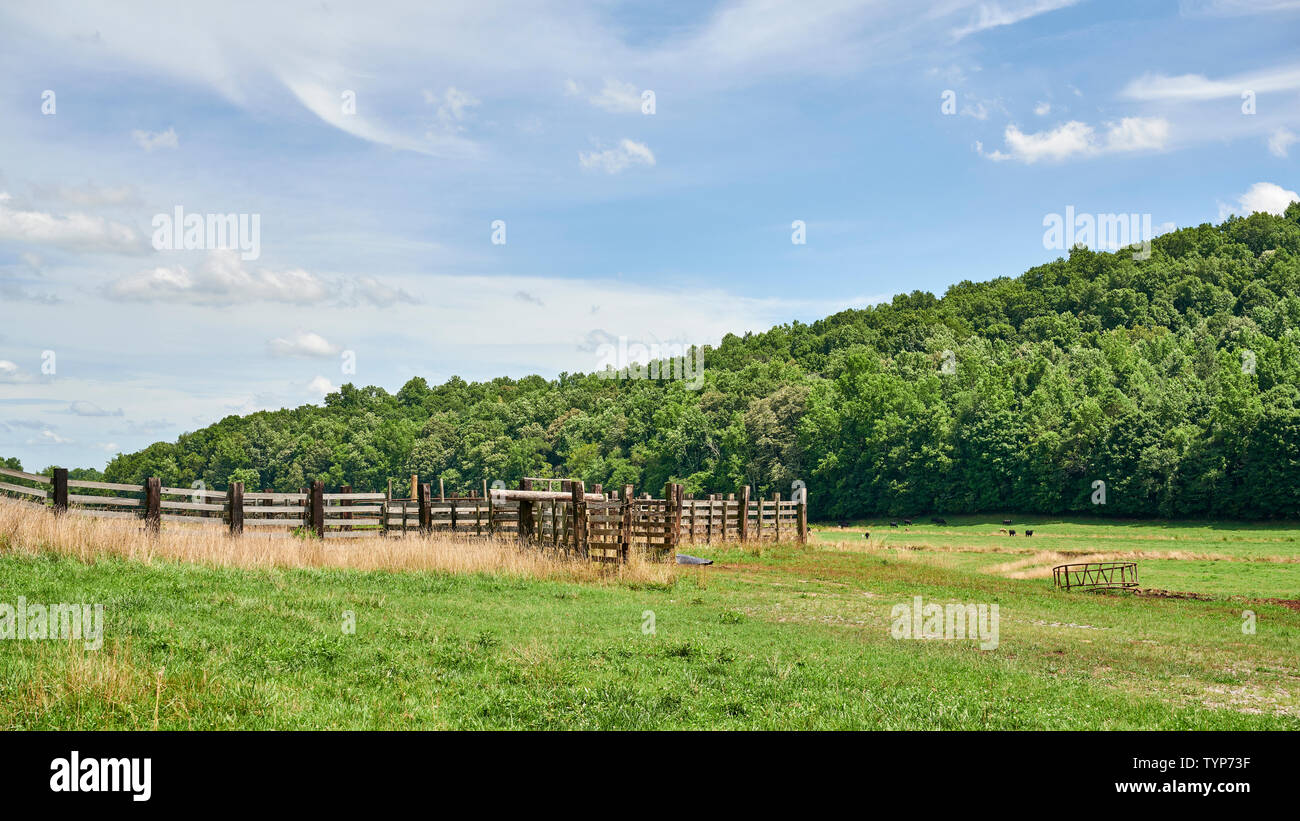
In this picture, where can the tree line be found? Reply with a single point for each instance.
(1174, 379)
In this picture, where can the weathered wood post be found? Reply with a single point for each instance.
(415, 486)
(423, 495)
(625, 538)
(803, 515)
(153, 504)
(317, 508)
(689, 511)
(744, 513)
(59, 477)
(776, 516)
(525, 512)
(578, 494)
(235, 507)
(346, 503)
(442, 495)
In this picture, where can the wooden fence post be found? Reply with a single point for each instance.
(744, 513)
(776, 516)
(625, 548)
(153, 504)
(525, 512)
(235, 507)
(803, 515)
(579, 495)
(317, 507)
(442, 495)
(426, 507)
(415, 485)
(346, 503)
(59, 476)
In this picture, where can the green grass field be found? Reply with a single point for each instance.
(781, 637)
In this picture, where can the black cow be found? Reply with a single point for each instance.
(893, 524)
(938, 521)
(866, 535)
(1006, 521)
(1013, 532)
(1029, 532)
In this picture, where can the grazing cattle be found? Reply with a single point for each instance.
(938, 521)
(866, 535)
(1013, 533)
(843, 525)
(907, 521)
(1002, 531)
(1006, 521)
(893, 524)
(1029, 532)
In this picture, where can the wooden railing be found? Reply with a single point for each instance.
(562, 515)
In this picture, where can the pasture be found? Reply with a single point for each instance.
(773, 636)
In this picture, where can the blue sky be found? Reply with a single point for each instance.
(673, 226)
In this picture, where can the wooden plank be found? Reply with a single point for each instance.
(198, 520)
(206, 506)
(105, 485)
(103, 514)
(43, 494)
(110, 501)
(31, 477)
(192, 492)
(361, 497)
(277, 497)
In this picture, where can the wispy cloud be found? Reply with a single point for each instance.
(1078, 139)
(74, 231)
(152, 140)
(995, 15)
(613, 160)
(302, 344)
(1189, 87)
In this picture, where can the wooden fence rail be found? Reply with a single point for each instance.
(555, 514)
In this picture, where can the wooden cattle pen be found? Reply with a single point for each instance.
(1096, 576)
(558, 514)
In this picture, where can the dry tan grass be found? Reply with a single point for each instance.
(27, 528)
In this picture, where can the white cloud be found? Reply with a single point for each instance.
(1195, 87)
(1043, 108)
(1235, 8)
(1078, 139)
(220, 280)
(302, 343)
(74, 232)
(1137, 134)
(149, 140)
(994, 15)
(614, 160)
(320, 386)
(453, 107)
(618, 97)
(1280, 141)
(1267, 197)
(50, 437)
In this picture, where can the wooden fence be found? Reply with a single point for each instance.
(559, 514)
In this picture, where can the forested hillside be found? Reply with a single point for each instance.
(1175, 380)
